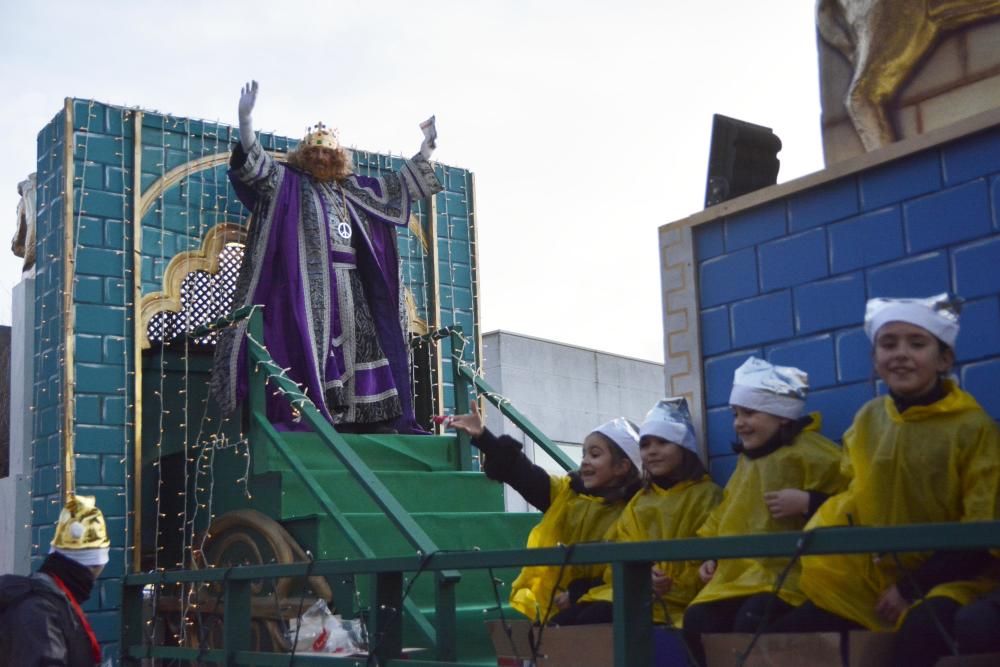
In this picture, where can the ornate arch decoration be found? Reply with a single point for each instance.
(222, 247)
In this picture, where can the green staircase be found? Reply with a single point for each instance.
(332, 495)
(458, 510)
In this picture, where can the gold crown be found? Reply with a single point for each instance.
(81, 525)
(320, 135)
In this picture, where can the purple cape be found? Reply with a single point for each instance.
(274, 268)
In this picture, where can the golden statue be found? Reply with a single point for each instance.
(884, 40)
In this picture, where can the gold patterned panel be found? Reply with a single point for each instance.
(417, 325)
(681, 336)
(204, 259)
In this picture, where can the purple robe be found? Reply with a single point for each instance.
(328, 300)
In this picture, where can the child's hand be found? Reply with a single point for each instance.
(661, 583)
(707, 571)
(787, 503)
(471, 423)
(891, 604)
(561, 600)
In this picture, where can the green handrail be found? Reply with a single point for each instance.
(264, 370)
(443, 641)
(630, 564)
(465, 377)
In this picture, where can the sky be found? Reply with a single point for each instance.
(587, 124)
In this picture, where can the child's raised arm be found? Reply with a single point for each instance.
(471, 423)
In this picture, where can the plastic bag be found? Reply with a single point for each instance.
(320, 631)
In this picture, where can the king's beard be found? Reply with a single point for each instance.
(324, 164)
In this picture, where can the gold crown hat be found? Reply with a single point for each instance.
(80, 533)
(320, 135)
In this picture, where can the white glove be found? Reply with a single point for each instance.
(248, 98)
(430, 135)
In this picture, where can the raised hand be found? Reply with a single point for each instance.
(471, 423)
(430, 138)
(248, 98)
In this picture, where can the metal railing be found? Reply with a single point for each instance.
(630, 561)
(630, 565)
(465, 379)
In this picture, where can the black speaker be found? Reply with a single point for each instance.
(743, 158)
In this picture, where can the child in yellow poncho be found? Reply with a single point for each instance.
(579, 507)
(786, 469)
(677, 495)
(926, 453)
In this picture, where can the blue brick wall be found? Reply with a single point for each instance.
(788, 280)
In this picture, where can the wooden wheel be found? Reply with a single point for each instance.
(249, 537)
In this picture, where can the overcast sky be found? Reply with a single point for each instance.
(587, 124)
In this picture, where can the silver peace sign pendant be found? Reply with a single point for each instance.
(344, 230)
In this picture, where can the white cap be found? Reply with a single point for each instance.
(937, 314)
(776, 390)
(670, 420)
(622, 432)
(85, 557)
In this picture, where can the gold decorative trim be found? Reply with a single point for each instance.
(417, 325)
(434, 307)
(418, 231)
(176, 175)
(205, 258)
(682, 354)
(470, 195)
(179, 173)
(137, 330)
(69, 312)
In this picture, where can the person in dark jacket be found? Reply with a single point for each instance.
(41, 621)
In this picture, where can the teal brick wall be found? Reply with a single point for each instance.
(788, 280)
(101, 202)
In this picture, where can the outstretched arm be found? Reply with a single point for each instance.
(248, 98)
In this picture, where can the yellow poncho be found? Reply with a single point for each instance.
(810, 463)
(570, 519)
(665, 514)
(933, 463)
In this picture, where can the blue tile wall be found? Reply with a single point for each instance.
(923, 224)
(791, 260)
(898, 182)
(759, 224)
(866, 240)
(728, 278)
(828, 304)
(762, 319)
(947, 217)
